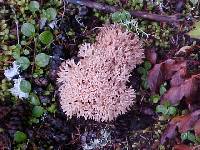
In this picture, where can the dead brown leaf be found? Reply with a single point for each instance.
(187, 122)
(169, 133)
(182, 123)
(151, 55)
(184, 50)
(182, 147)
(197, 128)
(179, 77)
(189, 89)
(164, 71)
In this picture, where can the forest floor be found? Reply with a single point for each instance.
(39, 35)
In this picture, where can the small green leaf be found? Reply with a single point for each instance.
(191, 137)
(162, 89)
(23, 62)
(144, 76)
(195, 32)
(26, 52)
(52, 108)
(34, 6)
(28, 29)
(42, 59)
(172, 110)
(141, 70)
(25, 86)
(166, 104)
(184, 136)
(33, 120)
(162, 109)
(147, 65)
(155, 98)
(34, 100)
(38, 111)
(16, 51)
(20, 137)
(116, 16)
(188, 136)
(51, 14)
(120, 16)
(46, 37)
(145, 84)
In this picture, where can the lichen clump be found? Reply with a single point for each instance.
(95, 87)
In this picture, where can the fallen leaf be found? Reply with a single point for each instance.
(187, 122)
(182, 123)
(197, 128)
(182, 147)
(164, 71)
(189, 89)
(151, 55)
(169, 133)
(179, 77)
(183, 50)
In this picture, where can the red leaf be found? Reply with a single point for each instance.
(169, 133)
(179, 77)
(187, 122)
(151, 55)
(164, 71)
(155, 78)
(189, 89)
(184, 50)
(183, 123)
(197, 128)
(182, 147)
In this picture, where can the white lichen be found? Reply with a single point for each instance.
(96, 143)
(133, 25)
(12, 71)
(53, 24)
(16, 91)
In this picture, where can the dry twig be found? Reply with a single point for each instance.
(138, 14)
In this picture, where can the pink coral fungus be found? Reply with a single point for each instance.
(95, 87)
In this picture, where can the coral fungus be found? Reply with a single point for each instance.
(95, 87)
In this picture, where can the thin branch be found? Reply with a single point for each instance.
(17, 28)
(138, 14)
(16, 23)
(34, 53)
(64, 3)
